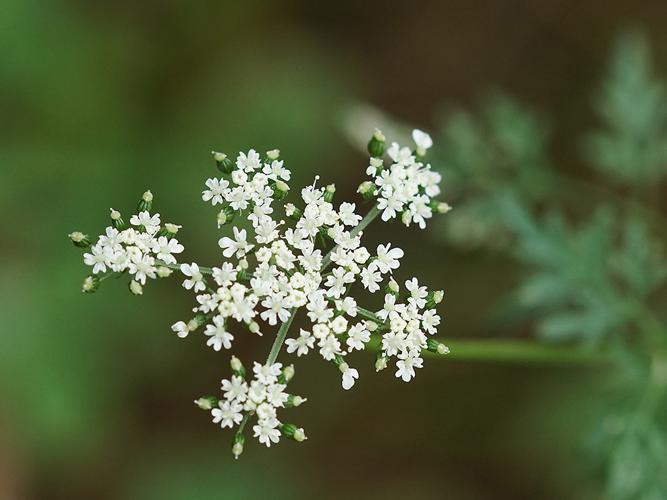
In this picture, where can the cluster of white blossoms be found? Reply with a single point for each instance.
(311, 259)
(408, 186)
(143, 250)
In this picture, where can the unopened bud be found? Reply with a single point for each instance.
(206, 402)
(136, 288)
(329, 193)
(116, 219)
(274, 154)
(376, 144)
(371, 326)
(406, 217)
(380, 363)
(292, 211)
(366, 189)
(164, 272)
(196, 322)
(281, 190)
(436, 347)
(146, 202)
(224, 163)
(90, 284)
(237, 366)
(434, 298)
(171, 229)
(225, 216)
(243, 264)
(253, 327)
(79, 239)
(392, 287)
(293, 432)
(237, 447)
(443, 207)
(294, 401)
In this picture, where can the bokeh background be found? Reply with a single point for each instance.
(102, 100)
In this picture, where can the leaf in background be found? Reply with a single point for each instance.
(632, 146)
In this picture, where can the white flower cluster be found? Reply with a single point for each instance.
(143, 249)
(263, 396)
(271, 269)
(407, 187)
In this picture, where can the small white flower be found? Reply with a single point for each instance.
(219, 336)
(387, 258)
(266, 431)
(239, 245)
(349, 376)
(181, 329)
(215, 191)
(301, 344)
(358, 336)
(227, 414)
(406, 365)
(267, 374)
(196, 278)
(422, 140)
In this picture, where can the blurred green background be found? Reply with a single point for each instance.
(102, 100)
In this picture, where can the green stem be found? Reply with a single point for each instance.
(280, 338)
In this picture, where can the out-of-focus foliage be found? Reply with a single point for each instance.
(593, 266)
(631, 147)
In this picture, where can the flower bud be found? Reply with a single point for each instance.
(274, 154)
(377, 164)
(164, 272)
(243, 264)
(392, 287)
(237, 367)
(293, 432)
(225, 216)
(116, 219)
(206, 402)
(293, 212)
(371, 326)
(440, 207)
(253, 327)
(367, 190)
(237, 447)
(79, 239)
(146, 202)
(376, 144)
(196, 322)
(286, 375)
(169, 230)
(436, 347)
(406, 217)
(90, 284)
(224, 163)
(329, 193)
(434, 298)
(136, 288)
(294, 401)
(380, 363)
(281, 189)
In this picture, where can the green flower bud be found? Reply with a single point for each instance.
(434, 298)
(281, 189)
(164, 272)
(237, 367)
(293, 212)
(436, 347)
(146, 202)
(293, 432)
(274, 154)
(380, 362)
(376, 144)
(197, 321)
(439, 207)
(392, 287)
(224, 163)
(329, 193)
(286, 375)
(226, 216)
(253, 327)
(371, 326)
(90, 284)
(294, 401)
(206, 402)
(406, 217)
(136, 288)
(79, 239)
(237, 446)
(116, 219)
(367, 190)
